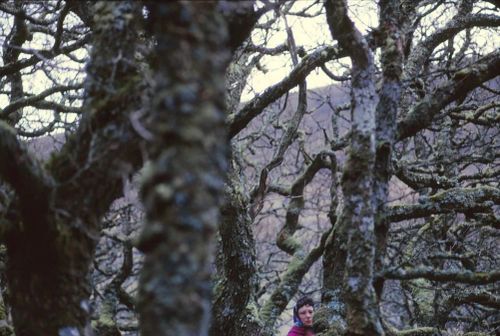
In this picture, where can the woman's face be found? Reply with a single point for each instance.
(306, 315)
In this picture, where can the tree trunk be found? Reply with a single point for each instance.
(357, 179)
(183, 185)
(386, 112)
(47, 274)
(54, 220)
(332, 316)
(235, 289)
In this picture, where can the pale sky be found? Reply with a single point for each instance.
(313, 32)
(309, 33)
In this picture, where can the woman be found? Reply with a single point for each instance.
(303, 318)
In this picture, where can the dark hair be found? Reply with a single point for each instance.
(303, 301)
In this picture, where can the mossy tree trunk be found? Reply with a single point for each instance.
(183, 185)
(235, 281)
(330, 318)
(387, 108)
(332, 314)
(53, 223)
(237, 272)
(357, 179)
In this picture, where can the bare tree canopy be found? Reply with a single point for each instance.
(193, 167)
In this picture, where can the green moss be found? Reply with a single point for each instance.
(218, 288)
(3, 311)
(327, 322)
(6, 331)
(409, 251)
(122, 93)
(461, 74)
(106, 316)
(266, 312)
(106, 324)
(423, 297)
(252, 308)
(417, 332)
(291, 244)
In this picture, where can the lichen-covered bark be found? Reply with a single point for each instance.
(285, 239)
(386, 112)
(330, 318)
(113, 295)
(333, 313)
(423, 331)
(51, 236)
(357, 179)
(259, 191)
(461, 21)
(465, 200)
(183, 185)
(423, 113)
(235, 289)
(237, 74)
(235, 279)
(468, 277)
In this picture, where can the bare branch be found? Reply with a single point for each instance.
(429, 273)
(460, 22)
(59, 32)
(253, 108)
(464, 200)
(33, 100)
(464, 81)
(42, 56)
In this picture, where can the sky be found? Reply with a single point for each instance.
(309, 33)
(313, 32)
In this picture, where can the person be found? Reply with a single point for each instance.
(303, 312)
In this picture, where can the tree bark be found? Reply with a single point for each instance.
(235, 290)
(183, 185)
(55, 223)
(386, 112)
(357, 179)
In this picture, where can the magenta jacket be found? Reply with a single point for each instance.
(300, 331)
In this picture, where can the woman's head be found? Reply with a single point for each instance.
(303, 312)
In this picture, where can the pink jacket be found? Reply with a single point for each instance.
(300, 331)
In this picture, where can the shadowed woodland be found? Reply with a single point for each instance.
(155, 178)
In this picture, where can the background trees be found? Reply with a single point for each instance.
(376, 194)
